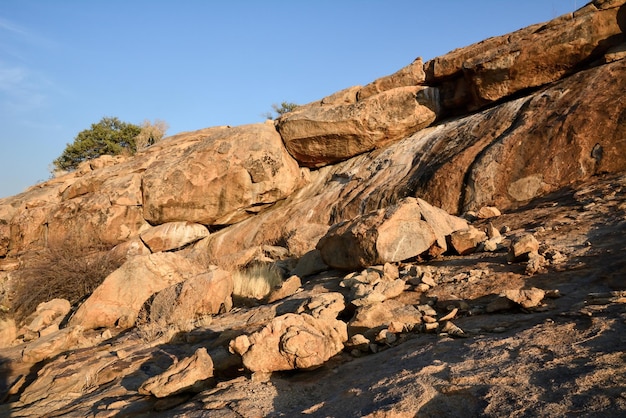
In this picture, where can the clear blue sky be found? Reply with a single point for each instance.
(65, 64)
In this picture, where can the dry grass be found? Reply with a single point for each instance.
(256, 282)
(66, 270)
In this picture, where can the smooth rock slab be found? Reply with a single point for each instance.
(173, 235)
(189, 374)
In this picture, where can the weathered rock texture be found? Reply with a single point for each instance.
(534, 56)
(188, 374)
(220, 179)
(399, 232)
(122, 294)
(293, 342)
(318, 134)
(524, 134)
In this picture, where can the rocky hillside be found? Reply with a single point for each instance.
(447, 240)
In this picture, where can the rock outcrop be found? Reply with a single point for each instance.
(425, 227)
(531, 57)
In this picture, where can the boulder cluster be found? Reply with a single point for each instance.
(363, 187)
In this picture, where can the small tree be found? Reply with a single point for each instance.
(151, 133)
(285, 107)
(110, 136)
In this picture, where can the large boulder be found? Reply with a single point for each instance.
(498, 67)
(397, 233)
(319, 134)
(117, 301)
(291, 341)
(220, 179)
(93, 218)
(411, 75)
(208, 293)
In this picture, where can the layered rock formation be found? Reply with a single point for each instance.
(404, 186)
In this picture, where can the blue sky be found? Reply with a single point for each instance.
(65, 64)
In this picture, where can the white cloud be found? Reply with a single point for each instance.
(23, 87)
(12, 27)
(20, 34)
(20, 89)
(11, 76)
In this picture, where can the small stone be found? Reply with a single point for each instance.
(492, 244)
(390, 271)
(499, 304)
(453, 330)
(261, 377)
(487, 212)
(359, 342)
(450, 315)
(121, 354)
(239, 345)
(391, 338)
(431, 326)
(397, 327)
(427, 310)
(536, 264)
(287, 288)
(466, 241)
(428, 279)
(386, 337)
(521, 247)
(492, 231)
(422, 287)
(554, 256)
(526, 298)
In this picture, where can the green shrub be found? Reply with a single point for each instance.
(110, 136)
(285, 107)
